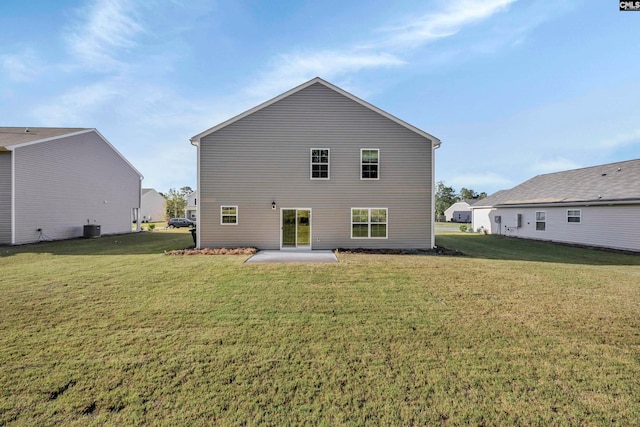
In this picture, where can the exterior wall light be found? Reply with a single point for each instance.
(273, 205)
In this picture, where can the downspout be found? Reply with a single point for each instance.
(435, 146)
(198, 200)
(139, 205)
(13, 195)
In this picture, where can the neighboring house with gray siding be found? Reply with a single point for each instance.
(315, 168)
(153, 206)
(53, 181)
(594, 206)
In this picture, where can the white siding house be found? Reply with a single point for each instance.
(153, 206)
(53, 181)
(459, 211)
(594, 206)
(315, 168)
(191, 211)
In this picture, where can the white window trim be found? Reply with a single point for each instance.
(236, 215)
(369, 224)
(361, 164)
(311, 163)
(537, 221)
(579, 216)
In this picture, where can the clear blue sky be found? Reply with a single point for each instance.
(512, 88)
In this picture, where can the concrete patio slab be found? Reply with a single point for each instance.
(294, 256)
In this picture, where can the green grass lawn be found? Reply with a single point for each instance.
(112, 331)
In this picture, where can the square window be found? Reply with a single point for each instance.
(369, 223)
(228, 215)
(573, 216)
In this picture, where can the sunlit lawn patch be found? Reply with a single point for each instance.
(112, 331)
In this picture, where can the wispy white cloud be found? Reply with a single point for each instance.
(292, 69)
(77, 106)
(623, 139)
(445, 23)
(288, 70)
(22, 67)
(554, 164)
(104, 30)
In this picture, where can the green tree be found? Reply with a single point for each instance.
(466, 193)
(177, 201)
(445, 197)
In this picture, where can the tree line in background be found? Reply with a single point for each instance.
(447, 196)
(176, 201)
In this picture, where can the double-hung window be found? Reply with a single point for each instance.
(573, 215)
(228, 215)
(369, 223)
(319, 163)
(369, 163)
(541, 221)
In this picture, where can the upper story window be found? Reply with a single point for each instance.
(228, 215)
(573, 215)
(541, 221)
(369, 163)
(319, 163)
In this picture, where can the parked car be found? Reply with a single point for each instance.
(180, 222)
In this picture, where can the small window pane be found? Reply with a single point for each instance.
(360, 215)
(378, 230)
(541, 226)
(369, 156)
(360, 230)
(370, 171)
(540, 216)
(378, 215)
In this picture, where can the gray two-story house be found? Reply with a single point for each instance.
(55, 181)
(315, 168)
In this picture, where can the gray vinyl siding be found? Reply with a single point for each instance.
(5, 197)
(265, 157)
(616, 227)
(62, 185)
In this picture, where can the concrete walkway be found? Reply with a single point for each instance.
(294, 256)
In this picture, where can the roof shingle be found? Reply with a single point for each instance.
(611, 182)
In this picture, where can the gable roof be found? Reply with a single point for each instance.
(15, 137)
(10, 136)
(604, 184)
(317, 80)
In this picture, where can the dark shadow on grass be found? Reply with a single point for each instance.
(511, 248)
(115, 244)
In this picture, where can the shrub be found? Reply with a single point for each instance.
(463, 228)
(150, 227)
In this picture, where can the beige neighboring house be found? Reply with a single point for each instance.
(153, 206)
(315, 168)
(594, 206)
(191, 211)
(54, 181)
